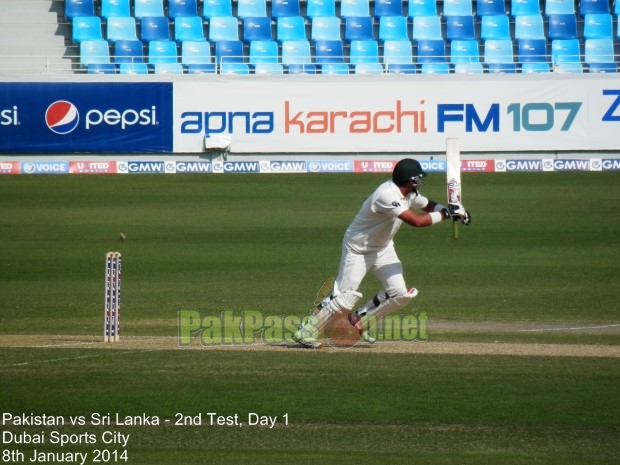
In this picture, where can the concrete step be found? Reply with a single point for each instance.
(38, 31)
(28, 11)
(36, 65)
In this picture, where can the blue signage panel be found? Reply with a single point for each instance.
(86, 117)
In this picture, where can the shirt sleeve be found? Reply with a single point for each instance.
(419, 202)
(389, 204)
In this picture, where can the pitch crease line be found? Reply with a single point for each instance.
(567, 329)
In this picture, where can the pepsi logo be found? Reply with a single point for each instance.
(62, 117)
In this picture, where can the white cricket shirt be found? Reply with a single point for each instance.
(377, 222)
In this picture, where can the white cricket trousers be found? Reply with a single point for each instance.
(384, 265)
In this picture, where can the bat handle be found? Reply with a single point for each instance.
(455, 229)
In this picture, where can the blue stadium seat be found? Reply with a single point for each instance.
(460, 28)
(358, 28)
(565, 50)
(188, 28)
(148, 8)
(364, 51)
(495, 27)
(426, 27)
(177, 8)
(74, 8)
(599, 51)
(502, 68)
(257, 29)
(431, 51)
(86, 28)
(498, 51)
(328, 51)
(162, 51)
(562, 26)
(490, 8)
(201, 68)
(101, 68)
(212, 8)
(532, 51)
(128, 51)
(301, 69)
(393, 28)
(325, 28)
(422, 8)
(529, 27)
(133, 68)
(524, 7)
(316, 8)
(263, 51)
(154, 28)
(401, 68)
(534, 67)
(234, 68)
(397, 52)
(168, 68)
(368, 68)
(335, 68)
(251, 8)
(464, 51)
(388, 8)
(587, 7)
(559, 7)
(435, 68)
(121, 28)
(229, 51)
(566, 56)
(283, 8)
(468, 68)
(598, 26)
(94, 51)
(295, 52)
(458, 7)
(602, 68)
(197, 53)
(354, 8)
(617, 8)
(268, 68)
(291, 28)
(568, 67)
(112, 8)
(223, 28)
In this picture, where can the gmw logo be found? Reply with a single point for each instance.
(63, 117)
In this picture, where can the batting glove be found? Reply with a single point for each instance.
(458, 213)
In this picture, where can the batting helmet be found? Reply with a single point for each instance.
(406, 171)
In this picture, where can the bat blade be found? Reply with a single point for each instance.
(453, 177)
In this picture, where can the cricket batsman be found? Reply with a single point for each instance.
(368, 247)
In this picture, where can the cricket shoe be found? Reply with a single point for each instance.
(366, 336)
(308, 343)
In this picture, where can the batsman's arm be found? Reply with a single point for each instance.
(421, 220)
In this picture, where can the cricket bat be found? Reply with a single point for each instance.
(325, 290)
(453, 175)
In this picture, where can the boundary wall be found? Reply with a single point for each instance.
(310, 120)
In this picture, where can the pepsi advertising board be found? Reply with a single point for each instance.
(86, 117)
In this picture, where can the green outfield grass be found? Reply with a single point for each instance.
(543, 248)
